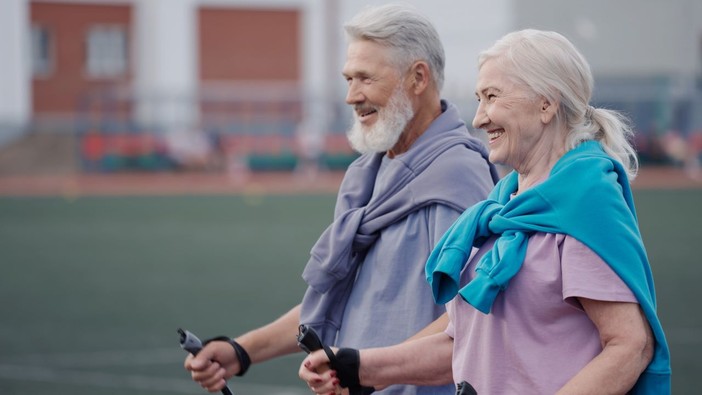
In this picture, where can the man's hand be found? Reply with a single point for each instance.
(213, 365)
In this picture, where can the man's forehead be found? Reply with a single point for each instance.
(365, 55)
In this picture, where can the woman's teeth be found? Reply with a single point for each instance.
(495, 134)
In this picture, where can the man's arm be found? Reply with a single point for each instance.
(217, 361)
(627, 348)
(423, 361)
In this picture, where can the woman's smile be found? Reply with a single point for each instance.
(495, 134)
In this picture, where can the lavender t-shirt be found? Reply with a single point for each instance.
(537, 336)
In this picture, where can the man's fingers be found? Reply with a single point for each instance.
(215, 386)
(188, 362)
(202, 360)
(212, 378)
(212, 375)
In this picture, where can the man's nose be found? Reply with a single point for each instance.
(353, 95)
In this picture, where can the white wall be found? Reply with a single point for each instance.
(465, 28)
(165, 62)
(625, 37)
(15, 70)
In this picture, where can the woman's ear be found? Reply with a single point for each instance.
(548, 110)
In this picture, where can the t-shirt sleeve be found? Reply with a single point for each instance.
(441, 217)
(586, 275)
(450, 330)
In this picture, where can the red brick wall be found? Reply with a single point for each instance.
(249, 44)
(68, 24)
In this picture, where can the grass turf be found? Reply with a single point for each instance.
(93, 289)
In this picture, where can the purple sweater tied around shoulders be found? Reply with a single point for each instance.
(414, 180)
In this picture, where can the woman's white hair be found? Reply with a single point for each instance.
(404, 30)
(550, 65)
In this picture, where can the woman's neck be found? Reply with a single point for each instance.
(542, 160)
(540, 171)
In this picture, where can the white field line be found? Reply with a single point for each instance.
(61, 369)
(135, 382)
(102, 358)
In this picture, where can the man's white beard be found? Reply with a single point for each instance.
(384, 133)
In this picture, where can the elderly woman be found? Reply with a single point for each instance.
(548, 286)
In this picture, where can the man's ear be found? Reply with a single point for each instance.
(420, 76)
(548, 110)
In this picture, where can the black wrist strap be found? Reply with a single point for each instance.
(346, 362)
(241, 354)
(464, 388)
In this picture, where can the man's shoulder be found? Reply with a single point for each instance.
(462, 156)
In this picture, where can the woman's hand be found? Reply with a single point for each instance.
(315, 371)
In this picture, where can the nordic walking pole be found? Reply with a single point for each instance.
(193, 345)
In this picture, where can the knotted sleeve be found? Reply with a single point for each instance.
(444, 266)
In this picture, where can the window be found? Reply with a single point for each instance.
(106, 51)
(42, 51)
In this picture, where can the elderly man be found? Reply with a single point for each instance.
(419, 170)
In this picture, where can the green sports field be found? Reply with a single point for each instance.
(93, 289)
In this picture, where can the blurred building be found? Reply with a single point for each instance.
(646, 56)
(149, 76)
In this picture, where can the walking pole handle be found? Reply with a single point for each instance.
(193, 345)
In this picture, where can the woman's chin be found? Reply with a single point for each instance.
(496, 159)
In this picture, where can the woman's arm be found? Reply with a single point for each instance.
(627, 348)
(423, 361)
(437, 326)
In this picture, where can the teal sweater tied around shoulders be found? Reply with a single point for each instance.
(587, 196)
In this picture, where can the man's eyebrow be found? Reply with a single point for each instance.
(357, 73)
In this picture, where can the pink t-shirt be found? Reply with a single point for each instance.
(537, 335)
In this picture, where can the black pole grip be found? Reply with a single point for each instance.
(308, 340)
(193, 345)
(464, 388)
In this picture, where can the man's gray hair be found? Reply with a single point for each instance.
(405, 31)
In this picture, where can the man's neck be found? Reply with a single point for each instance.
(426, 114)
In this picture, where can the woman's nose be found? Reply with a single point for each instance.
(481, 119)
